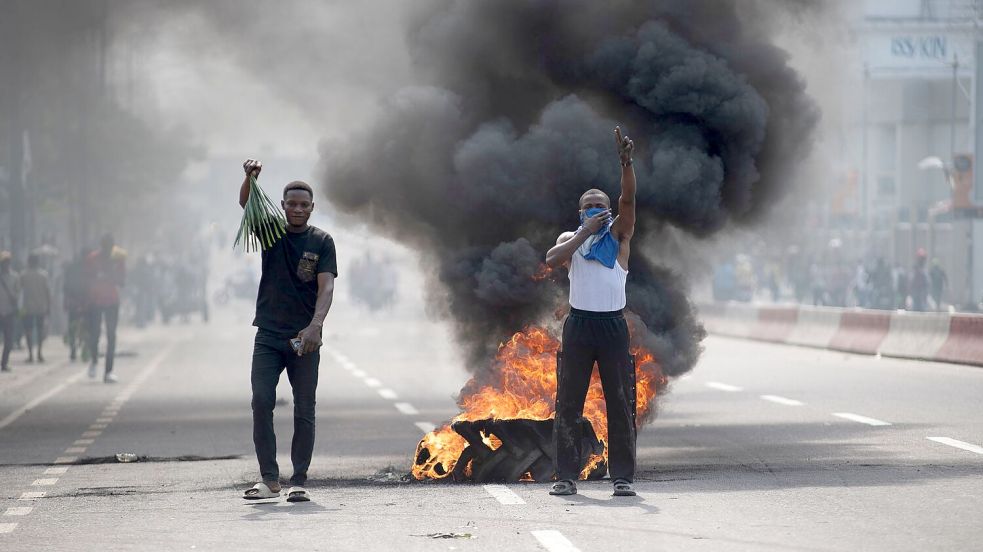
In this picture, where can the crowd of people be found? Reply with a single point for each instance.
(865, 283)
(91, 288)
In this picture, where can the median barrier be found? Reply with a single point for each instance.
(816, 326)
(915, 335)
(964, 343)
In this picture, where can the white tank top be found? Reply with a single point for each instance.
(595, 287)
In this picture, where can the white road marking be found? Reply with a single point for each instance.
(957, 443)
(425, 427)
(861, 419)
(84, 442)
(7, 527)
(75, 450)
(782, 400)
(372, 382)
(89, 434)
(33, 495)
(406, 408)
(724, 386)
(18, 511)
(387, 394)
(45, 482)
(56, 471)
(12, 417)
(554, 541)
(66, 459)
(359, 373)
(504, 494)
(98, 426)
(103, 420)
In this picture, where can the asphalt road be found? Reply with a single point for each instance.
(763, 447)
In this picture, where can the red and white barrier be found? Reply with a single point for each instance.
(930, 336)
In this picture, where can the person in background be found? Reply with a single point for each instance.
(74, 295)
(919, 282)
(938, 281)
(9, 298)
(900, 277)
(36, 304)
(105, 273)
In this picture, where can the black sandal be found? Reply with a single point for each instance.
(622, 487)
(563, 487)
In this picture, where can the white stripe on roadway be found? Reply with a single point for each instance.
(387, 394)
(504, 494)
(406, 408)
(12, 417)
(33, 495)
(782, 400)
(18, 511)
(861, 419)
(554, 541)
(425, 427)
(45, 482)
(56, 471)
(66, 459)
(7, 527)
(724, 386)
(957, 443)
(372, 382)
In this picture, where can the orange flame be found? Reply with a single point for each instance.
(525, 387)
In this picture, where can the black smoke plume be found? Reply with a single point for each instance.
(482, 163)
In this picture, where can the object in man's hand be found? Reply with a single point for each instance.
(262, 223)
(295, 344)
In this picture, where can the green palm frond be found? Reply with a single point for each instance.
(262, 223)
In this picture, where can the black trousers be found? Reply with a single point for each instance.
(271, 354)
(7, 329)
(94, 326)
(600, 337)
(34, 327)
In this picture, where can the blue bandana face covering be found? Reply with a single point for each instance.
(601, 246)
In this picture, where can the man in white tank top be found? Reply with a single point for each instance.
(596, 256)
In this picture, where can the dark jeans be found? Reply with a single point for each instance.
(94, 326)
(590, 337)
(34, 328)
(7, 329)
(271, 354)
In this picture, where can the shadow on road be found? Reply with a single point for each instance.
(614, 502)
(262, 511)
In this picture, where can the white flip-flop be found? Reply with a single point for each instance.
(298, 494)
(260, 491)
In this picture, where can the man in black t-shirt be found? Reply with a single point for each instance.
(295, 293)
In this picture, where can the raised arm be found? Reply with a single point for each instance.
(624, 223)
(252, 167)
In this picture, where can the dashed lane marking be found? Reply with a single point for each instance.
(554, 541)
(782, 400)
(7, 527)
(103, 420)
(61, 470)
(18, 511)
(861, 419)
(957, 443)
(406, 408)
(724, 387)
(504, 494)
(387, 394)
(98, 426)
(75, 450)
(66, 459)
(45, 482)
(89, 434)
(359, 373)
(425, 427)
(84, 442)
(372, 382)
(32, 495)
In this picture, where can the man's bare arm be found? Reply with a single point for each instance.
(252, 167)
(624, 224)
(310, 337)
(568, 242)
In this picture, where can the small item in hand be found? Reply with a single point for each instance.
(295, 344)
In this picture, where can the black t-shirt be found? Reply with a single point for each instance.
(288, 288)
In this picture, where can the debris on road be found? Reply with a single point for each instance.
(126, 457)
(448, 536)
